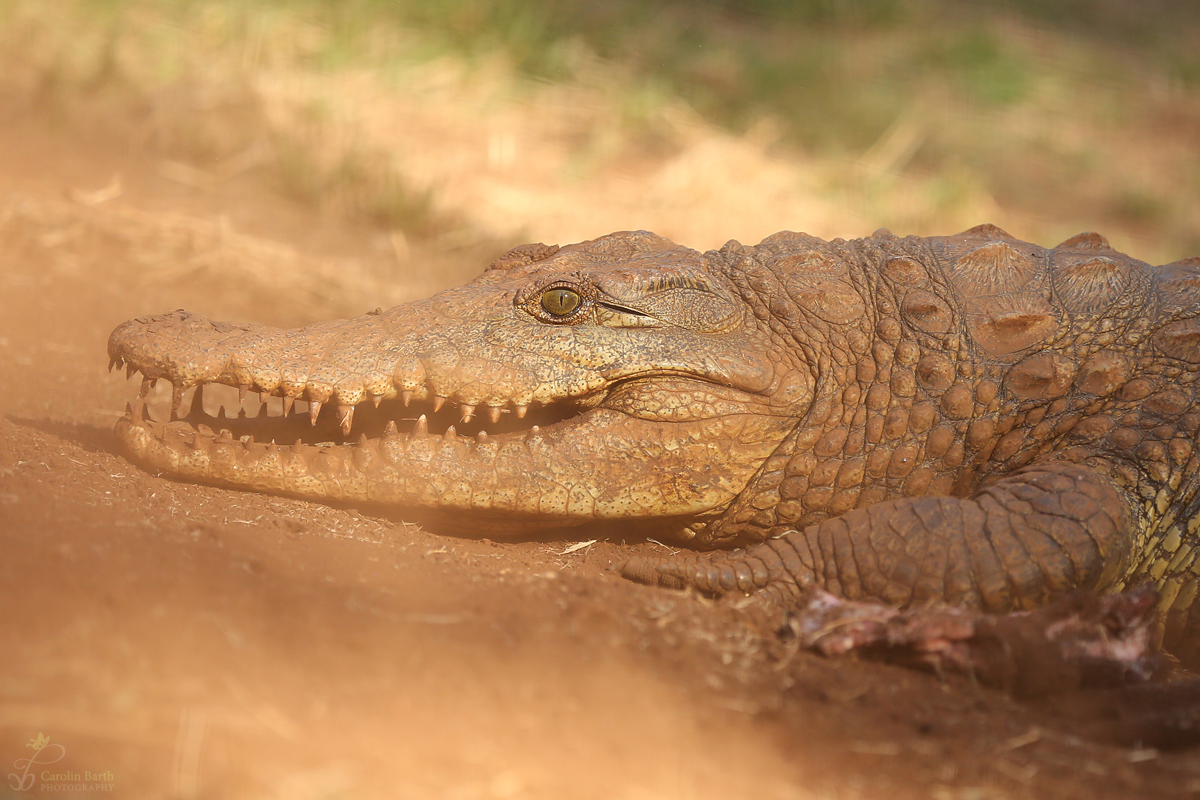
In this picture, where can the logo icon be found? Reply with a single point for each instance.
(43, 753)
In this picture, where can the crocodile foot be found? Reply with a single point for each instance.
(771, 570)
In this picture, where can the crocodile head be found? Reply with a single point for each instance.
(619, 379)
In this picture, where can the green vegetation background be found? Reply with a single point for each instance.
(1080, 109)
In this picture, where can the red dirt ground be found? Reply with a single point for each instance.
(193, 642)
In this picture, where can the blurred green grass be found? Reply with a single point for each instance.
(834, 72)
(1057, 112)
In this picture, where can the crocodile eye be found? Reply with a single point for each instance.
(560, 301)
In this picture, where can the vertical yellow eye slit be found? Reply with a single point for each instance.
(561, 301)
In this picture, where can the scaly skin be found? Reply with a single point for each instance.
(969, 418)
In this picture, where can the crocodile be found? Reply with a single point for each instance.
(969, 419)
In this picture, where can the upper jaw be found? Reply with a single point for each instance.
(495, 369)
(346, 366)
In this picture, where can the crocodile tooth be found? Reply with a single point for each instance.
(376, 399)
(147, 386)
(346, 415)
(450, 434)
(225, 437)
(534, 432)
(466, 411)
(207, 431)
(314, 408)
(113, 363)
(129, 370)
(197, 441)
(521, 409)
(390, 429)
(422, 426)
(298, 447)
(263, 396)
(363, 441)
(494, 413)
(176, 401)
(481, 437)
(243, 390)
(288, 402)
(406, 397)
(248, 439)
(438, 402)
(197, 406)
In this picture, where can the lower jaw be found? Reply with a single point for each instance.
(602, 465)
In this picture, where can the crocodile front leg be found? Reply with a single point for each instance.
(1038, 532)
